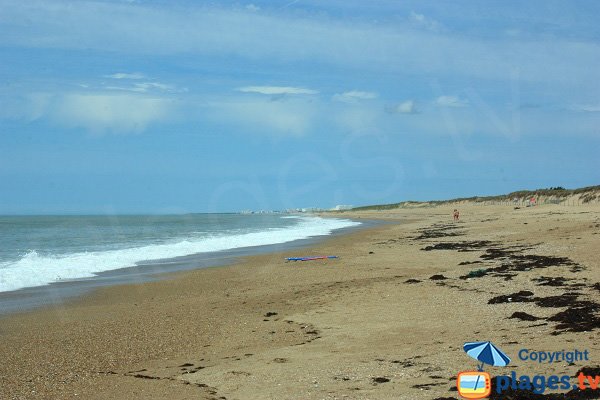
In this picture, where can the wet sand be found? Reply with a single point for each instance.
(385, 321)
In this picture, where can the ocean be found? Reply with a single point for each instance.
(40, 250)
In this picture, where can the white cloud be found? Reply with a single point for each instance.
(276, 90)
(417, 17)
(124, 88)
(406, 107)
(101, 112)
(138, 87)
(145, 87)
(451, 101)
(294, 117)
(252, 7)
(353, 96)
(155, 85)
(423, 21)
(115, 113)
(123, 75)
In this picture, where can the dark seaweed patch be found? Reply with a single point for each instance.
(141, 376)
(437, 277)
(563, 300)
(552, 281)
(580, 317)
(405, 363)
(497, 253)
(380, 379)
(459, 246)
(514, 263)
(523, 316)
(437, 231)
(426, 386)
(519, 297)
(531, 261)
(526, 262)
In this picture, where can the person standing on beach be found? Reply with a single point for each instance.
(456, 215)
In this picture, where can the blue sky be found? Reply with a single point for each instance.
(189, 106)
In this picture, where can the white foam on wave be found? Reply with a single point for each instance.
(38, 270)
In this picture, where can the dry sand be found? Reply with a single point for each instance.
(347, 328)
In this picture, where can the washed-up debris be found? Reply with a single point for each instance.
(519, 297)
(478, 273)
(523, 316)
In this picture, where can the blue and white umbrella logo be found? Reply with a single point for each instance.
(486, 353)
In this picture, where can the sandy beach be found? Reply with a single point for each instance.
(183, 184)
(387, 320)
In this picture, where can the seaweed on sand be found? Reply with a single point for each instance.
(519, 297)
(523, 316)
(477, 273)
(437, 231)
(460, 246)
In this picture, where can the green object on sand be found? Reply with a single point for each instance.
(477, 273)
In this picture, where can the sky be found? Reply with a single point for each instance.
(165, 106)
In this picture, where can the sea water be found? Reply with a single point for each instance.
(39, 250)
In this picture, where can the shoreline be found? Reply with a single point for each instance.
(57, 293)
(373, 324)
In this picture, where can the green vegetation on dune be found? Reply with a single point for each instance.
(554, 194)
